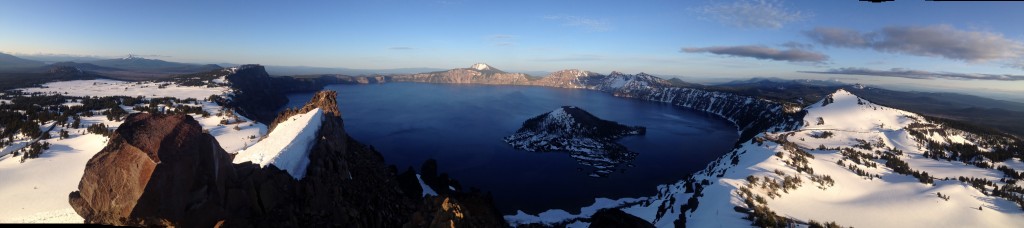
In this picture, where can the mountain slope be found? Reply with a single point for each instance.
(13, 62)
(851, 162)
(983, 112)
(153, 65)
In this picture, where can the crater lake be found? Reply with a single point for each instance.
(462, 126)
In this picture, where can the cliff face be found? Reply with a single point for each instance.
(325, 100)
(477, 75)
(258, 96)
(162, 170)
(575, 79)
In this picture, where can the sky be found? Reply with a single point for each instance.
(923, 45)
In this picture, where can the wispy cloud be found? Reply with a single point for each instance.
(400, 48)
(573, 58)
(1019, 64)
(589, 24)
(938, 41)
(751, 13)
(919, 74)
(790, 54)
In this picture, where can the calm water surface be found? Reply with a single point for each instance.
(462, 126)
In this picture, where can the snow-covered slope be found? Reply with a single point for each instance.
(626, 83)
(36, 190)
(288, 146)
(865, 165)
(107, 87)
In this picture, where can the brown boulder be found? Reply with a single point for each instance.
(156, 170)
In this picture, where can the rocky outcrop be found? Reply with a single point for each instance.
(259, 96)
(324, 100)
(615, 218)
(574, 79)
(156, 170)
(590, 140)
(451, 207)
(162, 170)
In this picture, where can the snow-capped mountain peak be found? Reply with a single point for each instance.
(133, 57)
(481, 66)
(843, 110)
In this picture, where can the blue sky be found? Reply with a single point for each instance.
(698, 40)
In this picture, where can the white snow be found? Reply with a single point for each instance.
(248, 133)
(106, 87)
(557, 215)
(287, 147)
(221, 80)
(427, 190)
(37, 190)
(480, 66)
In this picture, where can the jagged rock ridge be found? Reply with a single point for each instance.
(590, 140)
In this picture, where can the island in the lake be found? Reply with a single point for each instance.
(590, 140)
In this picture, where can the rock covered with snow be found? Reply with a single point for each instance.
(589, 139)
(618, 82)
(572, 78)
(482, 67)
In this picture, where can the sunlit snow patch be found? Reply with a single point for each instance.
(287, 147)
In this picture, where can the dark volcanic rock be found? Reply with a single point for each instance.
(324, 100)
(156, 170)
(615, 218)
(590, 140)
(258, 96)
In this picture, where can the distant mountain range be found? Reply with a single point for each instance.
(9, 61)
(1005, 116)
(307, 70)
(130, 68)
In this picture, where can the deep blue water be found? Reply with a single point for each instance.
(462, 126)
